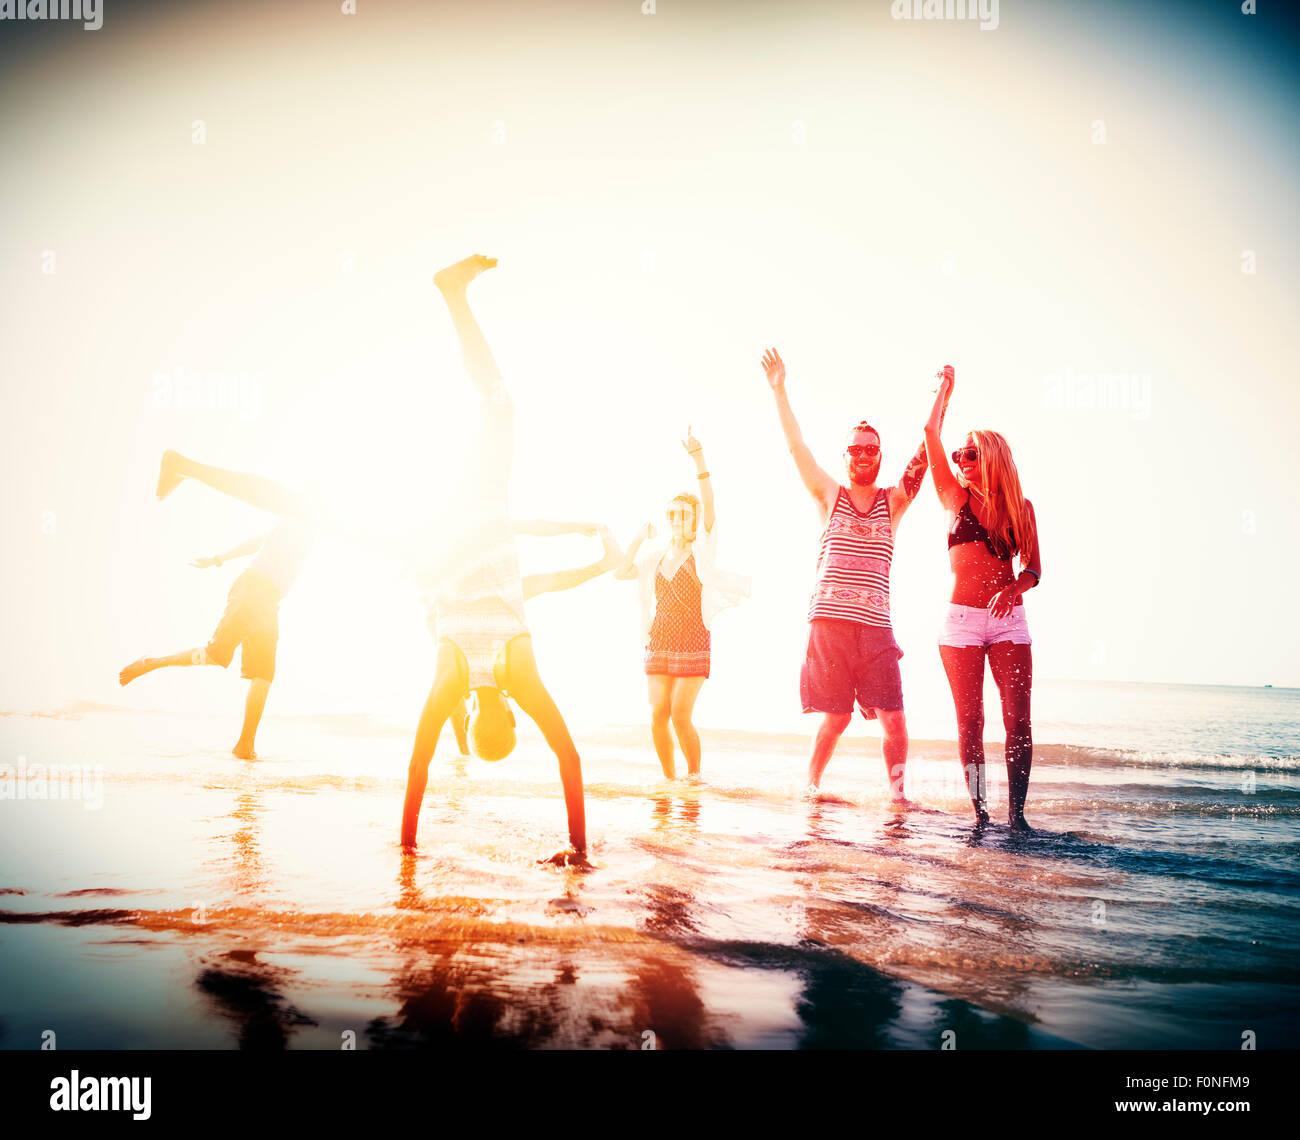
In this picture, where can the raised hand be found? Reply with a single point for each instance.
(774, 368)
(946, 380)
(693, 446)
(204, 563)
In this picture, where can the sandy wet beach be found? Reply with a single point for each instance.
(210, 902)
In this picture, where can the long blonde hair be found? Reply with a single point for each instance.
(1002, 502)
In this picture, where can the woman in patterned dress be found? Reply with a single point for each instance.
(681, 591)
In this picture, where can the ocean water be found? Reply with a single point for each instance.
(180, 898)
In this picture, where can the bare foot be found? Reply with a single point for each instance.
(902, 803)
(455, 278)
(132, 671)
(168, 477)
(1019, 824)
(243, 751)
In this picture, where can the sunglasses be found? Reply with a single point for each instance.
(861, 450)
(965, 455)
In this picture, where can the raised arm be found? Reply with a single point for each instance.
(914, 474)
(535, 584)
(243, 550)
(695, 450)
(945, 482)
(820, 485)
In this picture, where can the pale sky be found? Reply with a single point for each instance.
(668, 195)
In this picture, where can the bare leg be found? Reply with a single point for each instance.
(452, 283)
(1013, 670)
(254, 703)
(965, 669)
(828, 735)
(685, 693)
(489, 477)
(143, 665)
(450, 687)
(661, 706)
(893, 750)
(255, 490)
(524, 684)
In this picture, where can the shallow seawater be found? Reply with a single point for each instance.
(211, 902)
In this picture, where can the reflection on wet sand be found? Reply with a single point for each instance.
(519, 991)
(685, 819)
(444, 998)
(240, 987)
(271, 903)
(246, 992)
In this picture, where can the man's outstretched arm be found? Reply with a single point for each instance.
(535, 584)
(541, 528)
(820, 485)
(243, 550)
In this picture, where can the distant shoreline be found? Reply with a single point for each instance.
(77, 706)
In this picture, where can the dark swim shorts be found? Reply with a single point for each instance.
(848, 661)
(251, 620)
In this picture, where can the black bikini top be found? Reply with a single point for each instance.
(967, 528)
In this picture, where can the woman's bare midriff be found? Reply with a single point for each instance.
(977, 575)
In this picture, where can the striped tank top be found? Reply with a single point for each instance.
(853, 564)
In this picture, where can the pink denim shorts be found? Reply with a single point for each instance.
(968, 627)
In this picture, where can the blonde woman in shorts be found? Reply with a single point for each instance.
(990, 523)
